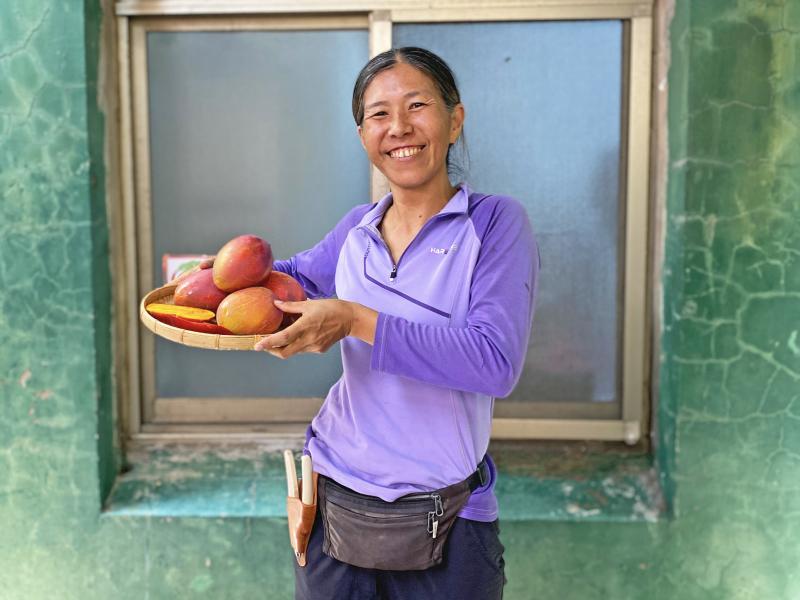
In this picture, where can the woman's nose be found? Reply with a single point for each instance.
(400, 125)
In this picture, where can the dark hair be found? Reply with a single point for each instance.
(427, 62)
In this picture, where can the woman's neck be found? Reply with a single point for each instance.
(411, 208)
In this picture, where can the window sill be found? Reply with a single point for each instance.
(541, 481)
(577, 481)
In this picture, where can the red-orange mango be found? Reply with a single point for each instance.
(285, 287)
(288, 319)
(198, 326)
(198, 290)
(249, 312)
(243, 262)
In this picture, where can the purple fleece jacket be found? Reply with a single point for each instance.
(413, 412)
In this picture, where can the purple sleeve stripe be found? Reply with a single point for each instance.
(376, 362)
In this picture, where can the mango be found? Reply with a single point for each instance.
(197, 289)
(187, 312)
(288, 319)
(243, 262)
(249, 311)
(285, 287)
(198, 326)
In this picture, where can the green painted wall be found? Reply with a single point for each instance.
(729, 412)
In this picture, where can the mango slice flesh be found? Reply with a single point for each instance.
(187, 312)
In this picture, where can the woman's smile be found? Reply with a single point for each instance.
(405, 153)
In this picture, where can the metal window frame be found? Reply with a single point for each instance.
(146, 417)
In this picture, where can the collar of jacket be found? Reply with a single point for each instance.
(458, 204)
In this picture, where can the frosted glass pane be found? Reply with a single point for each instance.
(251, 132)
(543, 124)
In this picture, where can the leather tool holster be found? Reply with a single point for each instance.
(301, 520)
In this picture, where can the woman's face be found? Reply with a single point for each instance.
(407, 128)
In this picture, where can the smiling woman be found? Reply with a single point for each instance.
(436, 287)
(407, 134)
(419, 96)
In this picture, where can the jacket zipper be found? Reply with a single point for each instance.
(379, 237)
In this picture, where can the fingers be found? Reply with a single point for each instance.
(292, 307)
(295, 347)
(267, 344)
(300, 336)
(276, 352)
(280, 339)
(262, 345)
(292, 340)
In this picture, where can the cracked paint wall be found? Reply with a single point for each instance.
(729, 414)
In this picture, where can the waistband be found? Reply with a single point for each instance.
(478, 478)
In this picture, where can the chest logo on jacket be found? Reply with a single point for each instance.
(452, 248)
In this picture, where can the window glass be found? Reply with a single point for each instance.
(543, 105)
(250, 132)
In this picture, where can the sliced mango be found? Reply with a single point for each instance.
(187, 312)
(198, 326)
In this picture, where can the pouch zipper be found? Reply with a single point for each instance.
(438, 511)
(421, 499)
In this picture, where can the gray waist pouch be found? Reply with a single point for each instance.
(408, 534)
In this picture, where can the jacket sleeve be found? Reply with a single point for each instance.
(315, 268)
(487, 356)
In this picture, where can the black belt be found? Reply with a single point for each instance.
(480, 477)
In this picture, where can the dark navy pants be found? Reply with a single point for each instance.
(472, 569)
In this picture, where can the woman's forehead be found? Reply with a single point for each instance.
(399, 82)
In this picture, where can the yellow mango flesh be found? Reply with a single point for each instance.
(187, 312)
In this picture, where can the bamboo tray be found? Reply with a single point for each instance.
(196, 339)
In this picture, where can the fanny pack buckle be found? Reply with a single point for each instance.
(483, 473)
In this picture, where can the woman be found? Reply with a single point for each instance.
(436, 286)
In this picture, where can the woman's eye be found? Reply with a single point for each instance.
(416, 104)
(378, 114)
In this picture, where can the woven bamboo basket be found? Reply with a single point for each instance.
(196, 339)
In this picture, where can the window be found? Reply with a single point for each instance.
(217, 107)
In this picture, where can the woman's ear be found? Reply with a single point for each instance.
(456, 122)
(361, 136)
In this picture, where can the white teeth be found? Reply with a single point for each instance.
(405, 152)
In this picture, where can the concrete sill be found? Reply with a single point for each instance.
(577, 481)
(538, 481)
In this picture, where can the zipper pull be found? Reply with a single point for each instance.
(393, 274)
(438, 511)
(433, 524)
(437, 505)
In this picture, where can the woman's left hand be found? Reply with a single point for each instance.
(322, 324)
